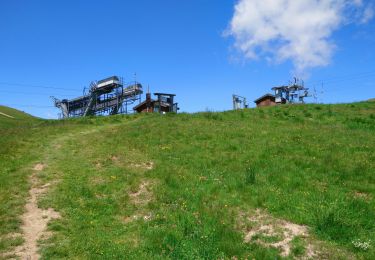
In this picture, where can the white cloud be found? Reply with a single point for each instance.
(296, 30)
(368, 14)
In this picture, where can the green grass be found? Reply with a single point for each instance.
(15, 139)
(308, 164)
(299, 247)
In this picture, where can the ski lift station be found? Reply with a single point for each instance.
(294, 93)
(111, 96)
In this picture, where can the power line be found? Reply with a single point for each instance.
(44, 86)
(352, 79)
(35, 86)
(31, 105)
(344, 78)
(32, 93)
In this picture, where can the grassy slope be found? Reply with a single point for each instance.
(15, 139)
(23, 141)
(306, 164)
(15, 113)
(19, 118)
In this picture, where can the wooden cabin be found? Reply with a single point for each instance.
(163, 104)
(266, 100)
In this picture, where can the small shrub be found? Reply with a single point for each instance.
(250, 176)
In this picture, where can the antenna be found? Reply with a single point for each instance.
(315, 96)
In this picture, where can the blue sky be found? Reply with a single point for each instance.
(187, 47)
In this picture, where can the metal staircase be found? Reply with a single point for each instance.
(88, 110)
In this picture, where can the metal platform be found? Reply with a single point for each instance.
(294, 93)
(109, 96)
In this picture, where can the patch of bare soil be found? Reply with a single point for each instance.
(140, 199)
(275, 232)
(35, 219)
(115, 158)
(39, 167)
(144, 166)
(143, 195)
(135, 217)
(362, 195)
(57, 146)
(97, 180)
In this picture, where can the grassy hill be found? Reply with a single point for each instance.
(14, 113)
(10, 117)
(288, 181)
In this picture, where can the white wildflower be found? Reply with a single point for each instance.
(363, 245)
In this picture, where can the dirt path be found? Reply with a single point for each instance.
(3, 114)
(35, 219)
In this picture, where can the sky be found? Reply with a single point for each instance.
(201, 50)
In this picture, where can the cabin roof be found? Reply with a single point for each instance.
(268, 95)
(164, 94)
(143, 103)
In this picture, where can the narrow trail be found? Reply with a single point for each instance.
(3, 114)
(35, 219)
